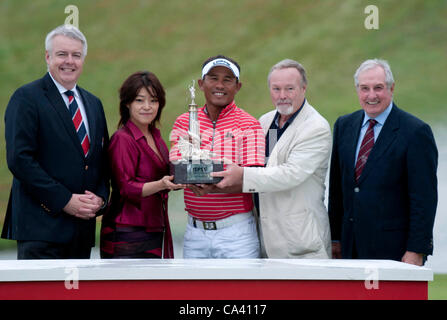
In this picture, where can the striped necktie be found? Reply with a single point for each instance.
(78, 122)
(365, 149)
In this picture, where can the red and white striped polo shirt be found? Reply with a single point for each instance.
(235, 135)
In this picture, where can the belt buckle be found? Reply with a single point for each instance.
(209, 225)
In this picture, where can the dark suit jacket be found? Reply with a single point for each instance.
(48, 164)
(392, 207)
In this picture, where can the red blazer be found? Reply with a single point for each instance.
(133, 163)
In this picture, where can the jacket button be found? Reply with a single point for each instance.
(351, 219)
(356, 189)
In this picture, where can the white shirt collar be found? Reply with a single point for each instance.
(381, 118)
(62, 89)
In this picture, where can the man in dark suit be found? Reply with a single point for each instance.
(383, 184)
(56, 143)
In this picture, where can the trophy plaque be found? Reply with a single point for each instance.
(195, 164)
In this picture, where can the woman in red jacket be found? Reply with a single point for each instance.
(136, 224)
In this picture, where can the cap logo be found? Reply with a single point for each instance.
(220, 62)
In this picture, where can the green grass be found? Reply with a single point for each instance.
(173, 37)
(437, 289)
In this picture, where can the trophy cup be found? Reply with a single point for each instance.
(195, 165)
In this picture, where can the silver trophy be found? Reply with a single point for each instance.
(195, 165)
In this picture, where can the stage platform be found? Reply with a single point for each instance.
(212, 279)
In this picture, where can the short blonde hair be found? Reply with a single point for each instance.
(289, 63)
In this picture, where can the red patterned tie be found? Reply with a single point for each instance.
(78, 122)
(365, 149)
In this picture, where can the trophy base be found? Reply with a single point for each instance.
(196, 172)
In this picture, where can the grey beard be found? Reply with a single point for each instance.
(285, 111)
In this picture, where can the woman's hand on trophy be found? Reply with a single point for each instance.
(167, 183)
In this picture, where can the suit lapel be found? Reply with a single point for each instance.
(61, 109)
(266, 121)
(351, 140)
(386, 137)
(290, 132)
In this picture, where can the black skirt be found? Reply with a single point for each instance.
(129, 242)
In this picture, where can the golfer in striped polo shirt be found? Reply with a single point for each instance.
(220, 221)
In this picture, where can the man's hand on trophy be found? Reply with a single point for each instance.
(200, 189)
(232, 176)
(168, 184)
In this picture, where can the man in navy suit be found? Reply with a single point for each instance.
(383, 184)
(56, 144)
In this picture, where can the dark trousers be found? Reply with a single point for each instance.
(51, 250)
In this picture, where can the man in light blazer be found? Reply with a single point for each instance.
(383, 184)
(56, 143)
(293, 219)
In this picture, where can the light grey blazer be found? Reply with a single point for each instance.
(293, 217)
